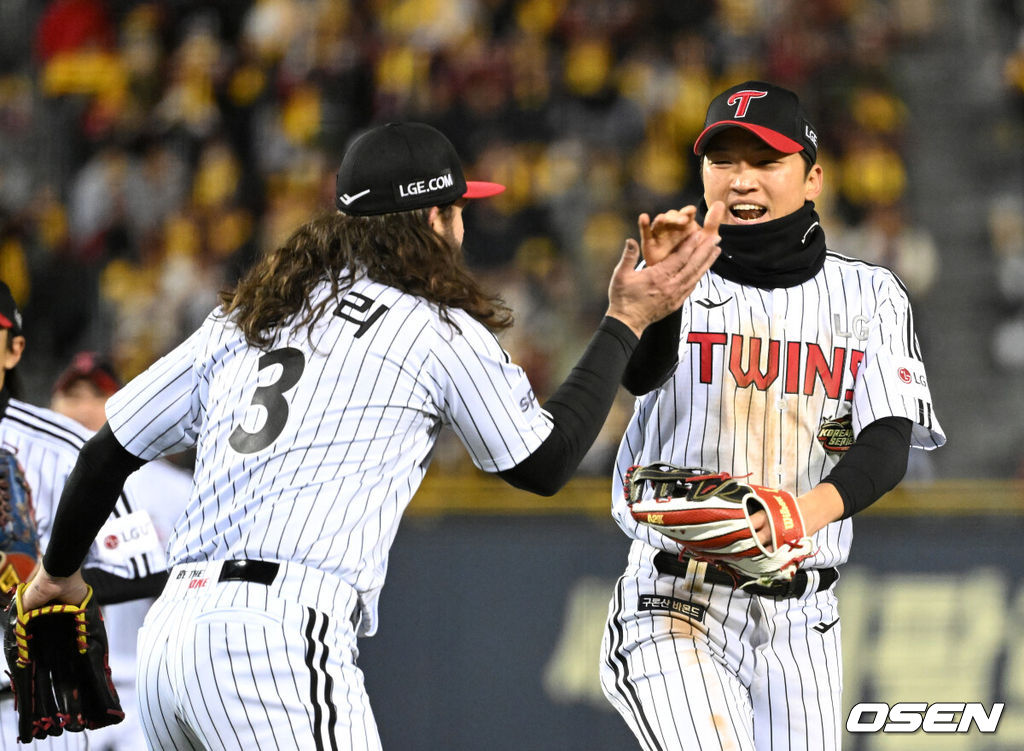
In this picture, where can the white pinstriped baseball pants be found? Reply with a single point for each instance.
(245, 665)
(9, 733)
(703, 667)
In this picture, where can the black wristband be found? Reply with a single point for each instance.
(110, 589)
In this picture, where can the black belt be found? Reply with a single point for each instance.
(670, 565)
(259, 572)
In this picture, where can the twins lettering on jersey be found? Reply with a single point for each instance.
(806, 363)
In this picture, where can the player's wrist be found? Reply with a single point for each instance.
(820, 506)
(635, 325)
(44, 588)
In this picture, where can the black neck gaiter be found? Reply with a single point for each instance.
(781, 253)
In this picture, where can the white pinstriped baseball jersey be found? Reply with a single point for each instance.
(47, 446)
(772, 384)
(763, 372)
(310, 452)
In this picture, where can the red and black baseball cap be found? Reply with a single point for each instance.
(402, 167)
(10, 316)
(92, 367)
(770, 112)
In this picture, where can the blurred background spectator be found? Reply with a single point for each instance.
(150, 150)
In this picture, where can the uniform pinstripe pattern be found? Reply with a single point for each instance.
(162, 489)
(9, 732)
(239, 665)
(47, 446)
(749, 673)
(759, 371)
(306, 453)
(356, 433)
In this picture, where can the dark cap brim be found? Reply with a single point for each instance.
(773, 138)
(477, 189)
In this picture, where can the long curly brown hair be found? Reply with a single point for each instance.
(400, 250)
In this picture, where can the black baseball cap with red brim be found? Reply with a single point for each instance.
(402, 167)
(770, 112)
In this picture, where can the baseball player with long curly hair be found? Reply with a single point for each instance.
(792, 366)
(314, 396)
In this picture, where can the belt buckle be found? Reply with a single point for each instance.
(785, 590)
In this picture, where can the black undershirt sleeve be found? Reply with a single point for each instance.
(110, 589)
(578, 409)
(88, 498)
(874, 464)
(655, 356)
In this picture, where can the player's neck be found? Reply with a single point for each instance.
(784, 252)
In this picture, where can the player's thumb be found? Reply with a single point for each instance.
(630, 255)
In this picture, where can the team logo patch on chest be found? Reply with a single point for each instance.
(685, 608)
(836, 434)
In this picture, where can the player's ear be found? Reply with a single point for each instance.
(436, 220)
(813, 183)
(12, 352)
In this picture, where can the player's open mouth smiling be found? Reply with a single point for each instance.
(747, 212)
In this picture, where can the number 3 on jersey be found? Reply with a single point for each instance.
(271, 398)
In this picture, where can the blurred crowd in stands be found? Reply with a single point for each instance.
(150, 150)
(1006, 213)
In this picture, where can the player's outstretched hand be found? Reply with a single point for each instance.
(638, 298)
(659, 237)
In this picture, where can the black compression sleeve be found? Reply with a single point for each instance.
(88, 498)
(578, 408)
(874, 465)
(110, 588)
(655, 355)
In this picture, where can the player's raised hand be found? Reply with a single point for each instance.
(659, 237)
(638, 298)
